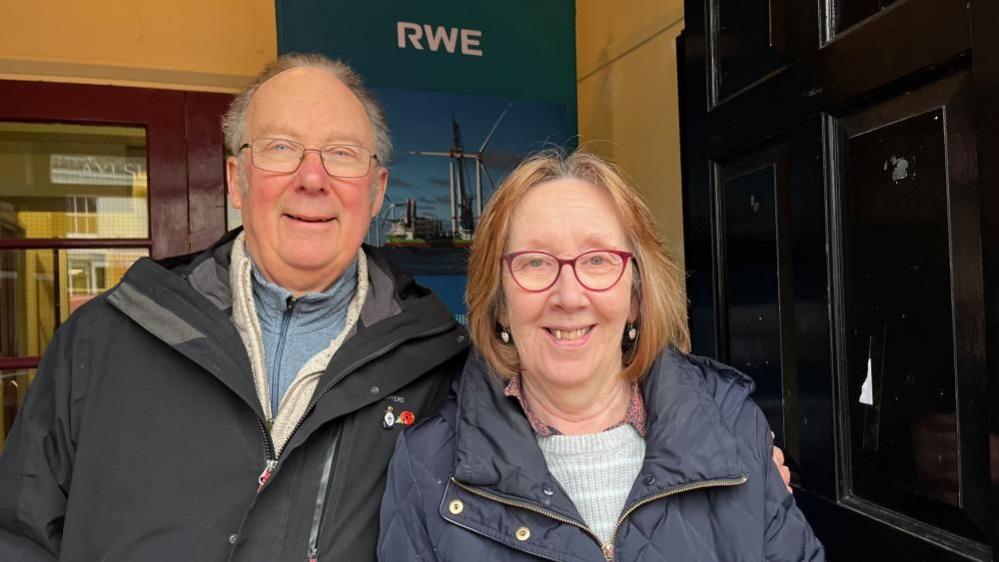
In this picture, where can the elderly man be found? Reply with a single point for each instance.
(241, 403)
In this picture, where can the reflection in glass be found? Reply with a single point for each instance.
(91, 272)
(27, 301)
(851, 12)
(899, 328)
(13, 387)
(72, 181)
(38, 292)
(743, 31)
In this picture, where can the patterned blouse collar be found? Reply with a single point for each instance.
(634, 416)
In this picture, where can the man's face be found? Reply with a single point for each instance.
(304, 228)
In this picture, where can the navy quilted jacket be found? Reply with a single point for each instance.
(471, 484)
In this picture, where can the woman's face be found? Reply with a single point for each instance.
(567, 335)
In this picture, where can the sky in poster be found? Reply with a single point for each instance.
(421, 121)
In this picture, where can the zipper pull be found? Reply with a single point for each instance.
(608, 550)
(266, 474)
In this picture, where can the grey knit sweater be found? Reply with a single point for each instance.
(597, 472)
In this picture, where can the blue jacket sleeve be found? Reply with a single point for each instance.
(788, 536)
(36, 464)
(403, 533)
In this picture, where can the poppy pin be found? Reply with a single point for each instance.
(407, 417)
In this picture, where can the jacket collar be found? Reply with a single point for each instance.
(186, 302)
(690, 407)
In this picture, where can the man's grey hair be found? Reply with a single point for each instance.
(234, 120)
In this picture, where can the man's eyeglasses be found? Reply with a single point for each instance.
(283, 156)
(596, 270)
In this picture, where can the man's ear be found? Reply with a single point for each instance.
(232, 171)
(378, 185)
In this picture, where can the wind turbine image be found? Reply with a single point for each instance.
(376, 234)
(462, 219)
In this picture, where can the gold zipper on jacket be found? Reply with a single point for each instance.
(717, 483)
(608, 548)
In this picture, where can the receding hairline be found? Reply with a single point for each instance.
(280, 128)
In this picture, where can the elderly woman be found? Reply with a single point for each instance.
(581, 430)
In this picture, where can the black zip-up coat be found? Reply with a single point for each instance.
(472, 484)
(142, 438)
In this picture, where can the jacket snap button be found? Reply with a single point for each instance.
(650, 480)
(523, 534)
(233, 538)
(548, 490)
(375, 390)
(456, 507)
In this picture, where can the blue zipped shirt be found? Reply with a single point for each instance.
(295, 329)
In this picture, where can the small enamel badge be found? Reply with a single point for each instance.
(390, 419)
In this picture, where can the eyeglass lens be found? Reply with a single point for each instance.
(284, 156)
(597, 270)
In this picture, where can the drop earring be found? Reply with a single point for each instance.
(632, 331)
(505, 336)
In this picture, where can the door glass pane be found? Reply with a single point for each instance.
(13, 386)
(752, 285)
(852, 12)
(90, 272)
(72, 181)
(37, 292)
(899, 324)
(27, 301)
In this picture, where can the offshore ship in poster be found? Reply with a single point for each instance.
(438, 186)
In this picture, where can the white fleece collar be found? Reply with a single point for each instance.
(244, 315)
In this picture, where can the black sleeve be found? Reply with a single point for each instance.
(36, 465)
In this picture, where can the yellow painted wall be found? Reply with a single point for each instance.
(628, 109)
(209, 45)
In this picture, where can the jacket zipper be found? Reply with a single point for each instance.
(269, 457)
(275, 397)
(608, 548)
(325, 482)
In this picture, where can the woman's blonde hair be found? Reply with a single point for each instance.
(657, 283)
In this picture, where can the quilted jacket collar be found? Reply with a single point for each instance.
(691, 409)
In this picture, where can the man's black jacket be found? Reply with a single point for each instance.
(142, 436)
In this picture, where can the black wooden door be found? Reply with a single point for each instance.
(841, 178)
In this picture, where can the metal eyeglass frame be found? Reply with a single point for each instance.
(305, 150)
